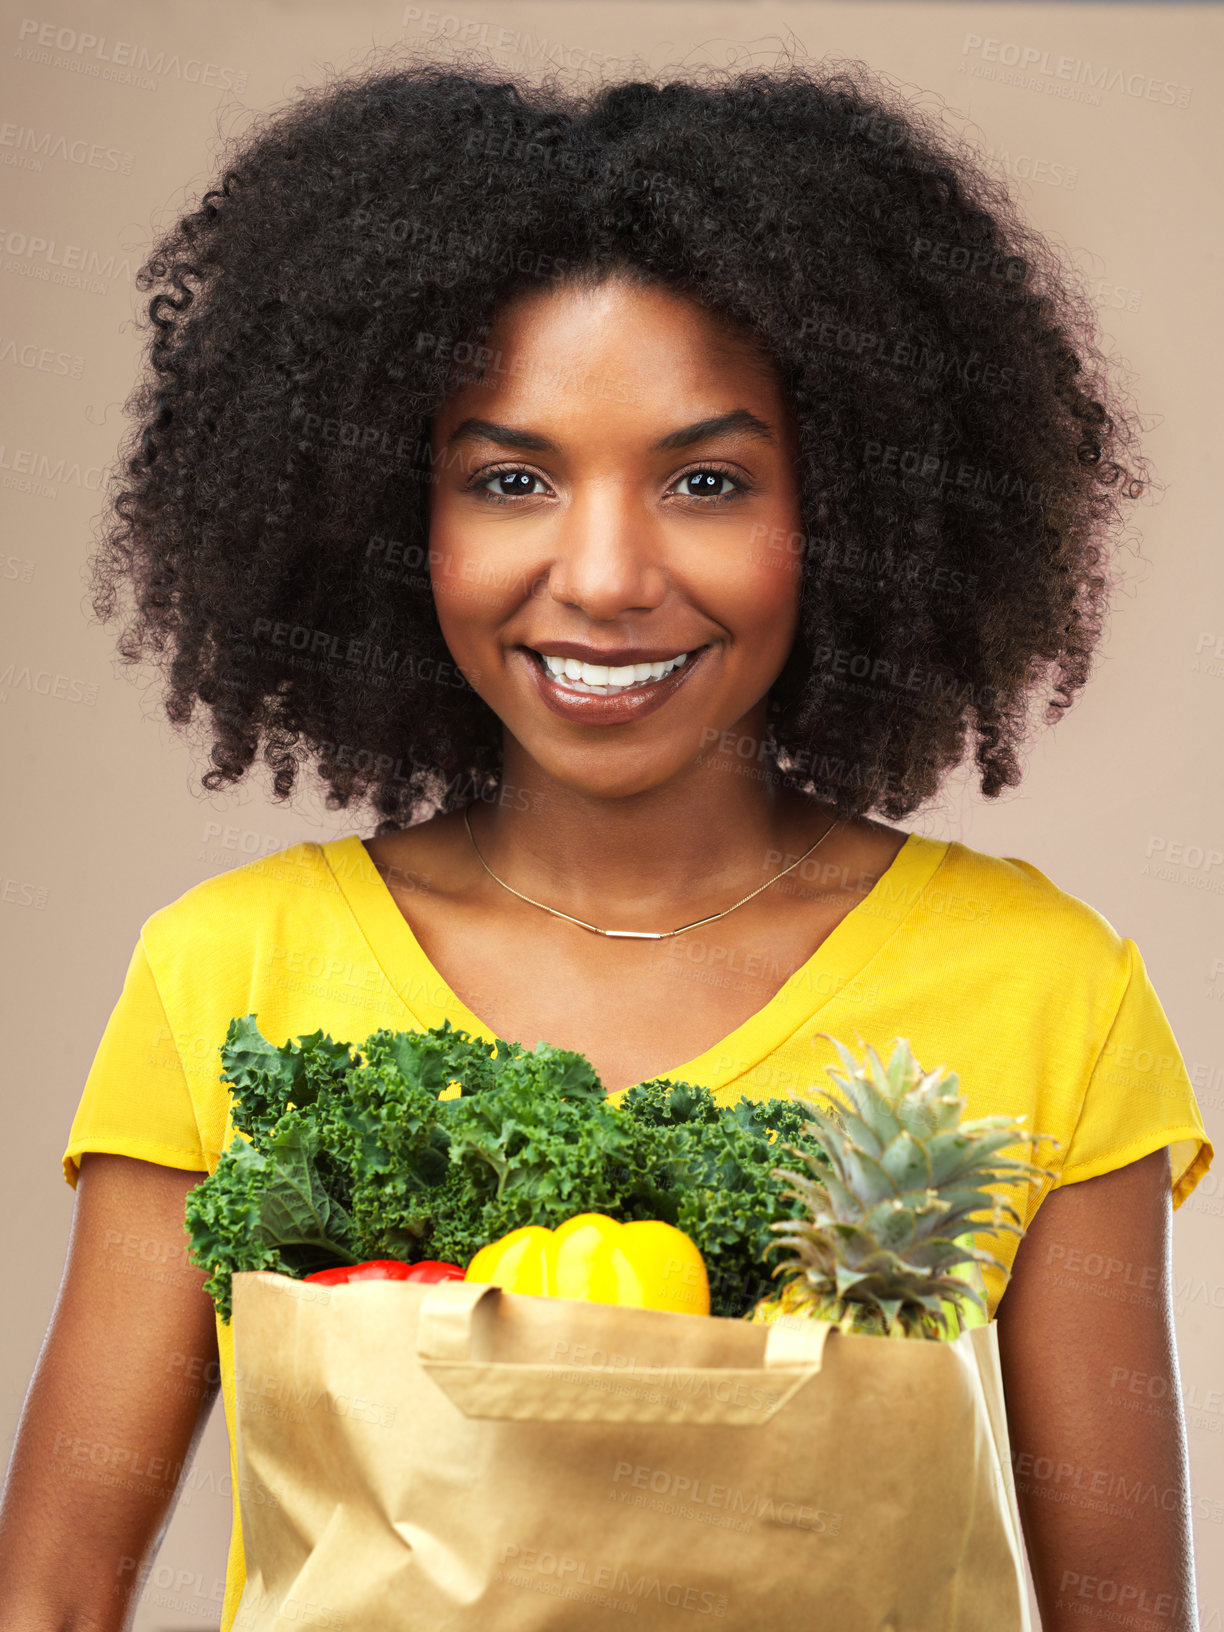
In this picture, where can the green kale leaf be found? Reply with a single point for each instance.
(431, 1144)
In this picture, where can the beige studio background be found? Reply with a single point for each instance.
(1106, 117)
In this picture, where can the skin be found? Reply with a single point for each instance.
(628, 828)
(1077, 1367)
(123, 1386)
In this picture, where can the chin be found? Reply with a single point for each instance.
(599, 777)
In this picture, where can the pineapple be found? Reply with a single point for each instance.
(884, 1248)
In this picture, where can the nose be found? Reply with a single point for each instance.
(608, 556)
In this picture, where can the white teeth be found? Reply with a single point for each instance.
(604, 680)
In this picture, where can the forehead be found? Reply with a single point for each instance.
(564, 350)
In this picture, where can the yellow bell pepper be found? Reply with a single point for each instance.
(644, 1265)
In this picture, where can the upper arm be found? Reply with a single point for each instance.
(1102, 1475)
(119, 1395)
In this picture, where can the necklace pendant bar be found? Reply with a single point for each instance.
(644, 934)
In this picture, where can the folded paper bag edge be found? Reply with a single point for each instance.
(446, 1320)
(448, 1323)
(692, 1397)
(450, 1313)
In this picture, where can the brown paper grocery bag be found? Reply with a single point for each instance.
(456, 1457)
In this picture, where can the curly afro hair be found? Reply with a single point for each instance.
(961, 442)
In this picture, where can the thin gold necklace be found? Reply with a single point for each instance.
(641, 934)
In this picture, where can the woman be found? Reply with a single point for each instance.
(622, 498)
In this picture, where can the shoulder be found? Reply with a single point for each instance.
(1017, 894)
(243, 902)
(1008, 909)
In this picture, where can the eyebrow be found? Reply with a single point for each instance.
(512, 436)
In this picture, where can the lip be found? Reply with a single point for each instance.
(614, 710)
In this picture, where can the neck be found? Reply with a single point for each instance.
(641, 860)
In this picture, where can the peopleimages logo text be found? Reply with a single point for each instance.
(1077, 70)
(96, 49)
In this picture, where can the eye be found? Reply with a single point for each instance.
(706, 480)
(516, 482)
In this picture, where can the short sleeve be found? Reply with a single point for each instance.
(1139, 1097)
(136, 1100)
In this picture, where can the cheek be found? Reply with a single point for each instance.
(473, 596)
(451, 566)
(767, 604)
(452, 591)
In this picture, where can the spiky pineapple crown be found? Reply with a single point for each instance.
(878, 1250)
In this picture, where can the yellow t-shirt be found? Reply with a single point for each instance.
(988, 968)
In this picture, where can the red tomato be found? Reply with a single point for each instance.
(388, 1269)
(380, 1269)
(330, 1277)
(433, 1269)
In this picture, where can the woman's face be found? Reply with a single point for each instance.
(587, 504)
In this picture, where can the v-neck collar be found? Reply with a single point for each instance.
(835, 963)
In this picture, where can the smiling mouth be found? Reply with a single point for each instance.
(597, 680)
